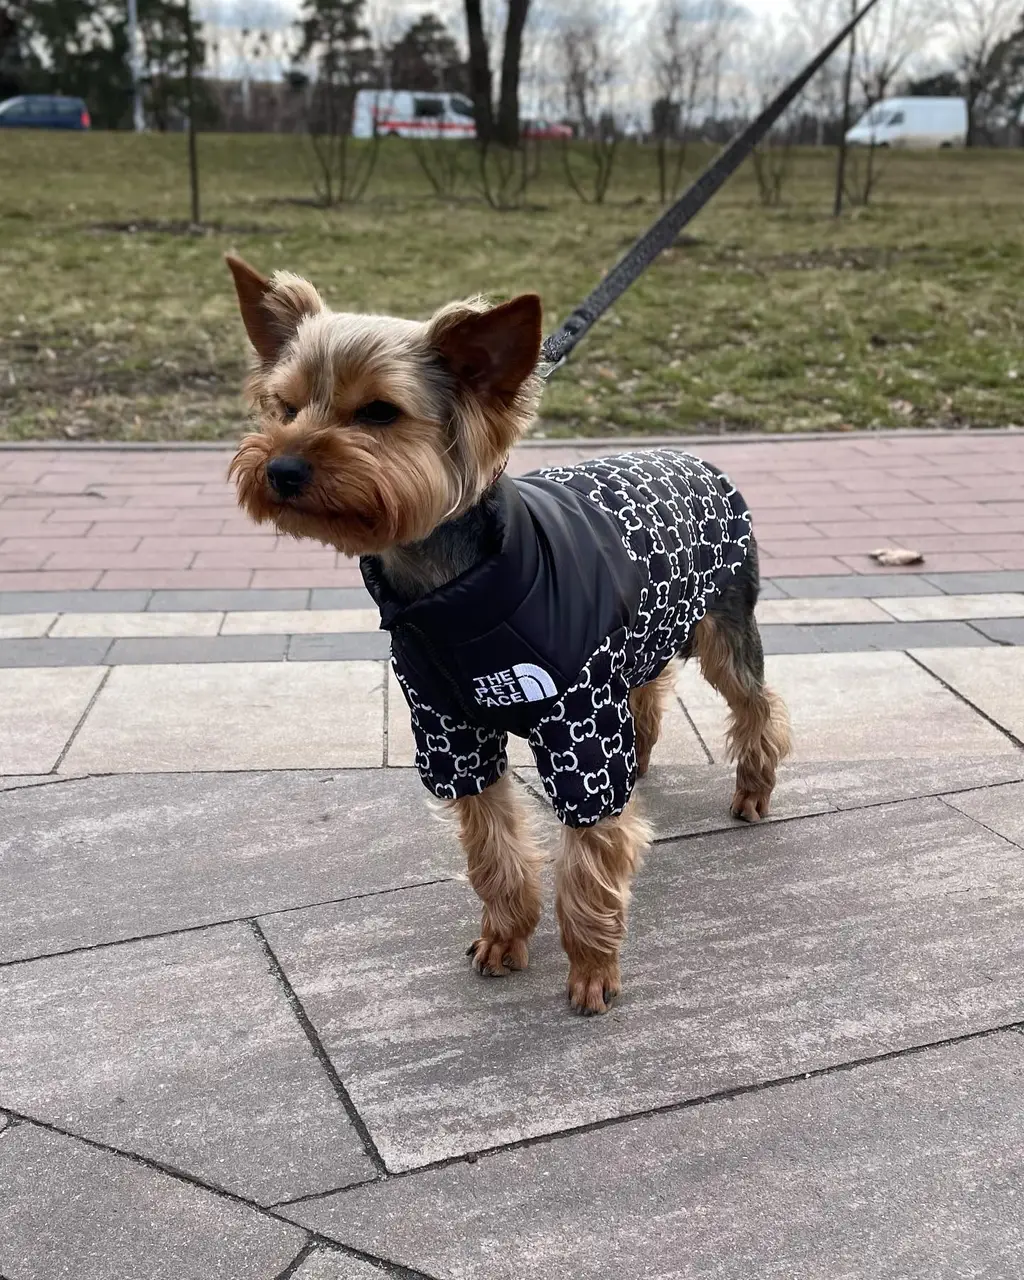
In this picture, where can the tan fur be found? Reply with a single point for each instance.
(375, 488)
(504, 869)
(648, 706)
(592, 887)
(758, 737)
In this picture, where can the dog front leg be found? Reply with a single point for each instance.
(592, 880)
(504, 869)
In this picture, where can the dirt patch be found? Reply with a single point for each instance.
(160, 226)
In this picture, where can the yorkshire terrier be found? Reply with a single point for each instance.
(549, 606)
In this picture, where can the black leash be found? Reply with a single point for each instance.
(664, 232)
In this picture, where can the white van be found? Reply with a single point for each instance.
(912, 122)
(401, 113)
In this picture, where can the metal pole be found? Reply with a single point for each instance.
(138, 118)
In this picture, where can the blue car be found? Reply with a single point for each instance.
(44, 111)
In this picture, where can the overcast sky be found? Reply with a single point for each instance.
(783, 44)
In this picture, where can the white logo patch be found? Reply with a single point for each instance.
(525, 682)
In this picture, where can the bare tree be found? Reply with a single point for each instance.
(848, 77)
(977, 27)
(887, 40)
(337, 47)
(819, 20)
(587, 40)
(771, 55)
(507, 126)
(502, 126)
(479, 72)
(687, 44)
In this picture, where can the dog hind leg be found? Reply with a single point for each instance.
(647, 703)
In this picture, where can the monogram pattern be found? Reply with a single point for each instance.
(687, 529)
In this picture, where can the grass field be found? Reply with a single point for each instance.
(909, 313)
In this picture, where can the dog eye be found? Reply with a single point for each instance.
(289, 412)
(378, 413)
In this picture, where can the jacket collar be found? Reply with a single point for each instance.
(484, 596)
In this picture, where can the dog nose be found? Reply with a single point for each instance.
(288, 475)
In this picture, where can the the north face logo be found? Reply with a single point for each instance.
(525, 682)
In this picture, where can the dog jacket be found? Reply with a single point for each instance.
(599, 575)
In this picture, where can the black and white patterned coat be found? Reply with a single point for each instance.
(600, 572)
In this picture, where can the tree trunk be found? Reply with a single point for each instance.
(193, 162)
(837, 207)
(508, 108)
(479, 73)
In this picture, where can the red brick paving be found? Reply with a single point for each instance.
(78, 518)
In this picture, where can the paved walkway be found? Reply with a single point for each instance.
(238, 1036)
(124, 520)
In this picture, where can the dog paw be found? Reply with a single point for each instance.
(495, 957)
(592, 986)
(751, 806)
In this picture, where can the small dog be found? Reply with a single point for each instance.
(549, 607)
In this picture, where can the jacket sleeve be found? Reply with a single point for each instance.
(586, 747)
(454, 759)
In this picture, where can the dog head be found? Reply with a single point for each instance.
(375, 430)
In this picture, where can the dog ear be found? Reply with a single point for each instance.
(271, 308)
(494, 352)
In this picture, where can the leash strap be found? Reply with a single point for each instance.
(663, 233)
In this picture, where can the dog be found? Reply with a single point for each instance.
(551, 606)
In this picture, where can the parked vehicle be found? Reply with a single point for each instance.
(533, 128)
(44, 111)
(400, 113)
(912, 122)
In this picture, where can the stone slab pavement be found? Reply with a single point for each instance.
(238, 1034)
(239, 1037)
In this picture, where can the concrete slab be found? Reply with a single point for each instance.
(138, 624)
(679, 743)
(234, 716)
(754, 954)
(323, 1264)
(1001, 809)
(231, 599)
(52, 653)
(71, 1212)
(372, 645)
(183, 1050)
(39, 709)
(857, 585)
(823, 609)
(886, 636)
(992, 680)
(905, 1170)
(682, 801)
(961, 583)
(859, 706)
(168, 650)
(298, 622)
(1002, 630)
(72, 601)
(340, 598)
(17, 782)
(152, 853)
(25, 626)
(949, 608)
(783, 638)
